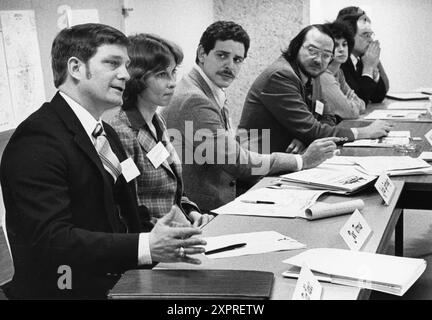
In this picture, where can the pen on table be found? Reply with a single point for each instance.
(227, 248)
(257, 201)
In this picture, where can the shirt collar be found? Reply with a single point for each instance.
(354, 60)
(85, 118)
(218, 93)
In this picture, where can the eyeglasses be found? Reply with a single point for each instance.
(315, 52)
(367, 35)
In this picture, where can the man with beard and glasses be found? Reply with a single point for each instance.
(213, 160)
(287, 98)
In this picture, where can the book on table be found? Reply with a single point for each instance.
(193, 284)
(390, 274)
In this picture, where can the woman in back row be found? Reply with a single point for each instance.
(341, 99)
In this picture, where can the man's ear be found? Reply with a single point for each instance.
(201, 54)
(76, 68)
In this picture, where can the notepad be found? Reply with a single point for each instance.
(390, 274)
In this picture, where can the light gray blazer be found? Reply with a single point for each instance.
(210, 178)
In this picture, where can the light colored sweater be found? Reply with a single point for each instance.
(336, 93)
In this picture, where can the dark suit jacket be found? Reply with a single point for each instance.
(365, 87)
(212, 182)
(61, 208)
(276, 101)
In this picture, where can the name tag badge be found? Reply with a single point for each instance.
(386, 188)
(307, 287)
(129, 170)
(158, 155)
(319, 107)
(356, 231)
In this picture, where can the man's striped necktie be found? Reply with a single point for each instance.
(107, 156)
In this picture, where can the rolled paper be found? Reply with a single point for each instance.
(321, 210)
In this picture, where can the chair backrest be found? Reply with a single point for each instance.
(6, 264)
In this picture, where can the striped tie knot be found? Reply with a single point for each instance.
(107, 156)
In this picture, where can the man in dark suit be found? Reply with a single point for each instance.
(287, 99)
(364, 72)
(213, 159)
(71, 215)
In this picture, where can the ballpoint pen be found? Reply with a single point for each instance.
(227, 248)
(257, 201)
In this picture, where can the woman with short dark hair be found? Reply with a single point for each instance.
(340, 98)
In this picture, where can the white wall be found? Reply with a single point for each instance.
(404, 31)
(182, 21)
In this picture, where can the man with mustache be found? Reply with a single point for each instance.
(198, 111)
(364, 72)
(287, 98)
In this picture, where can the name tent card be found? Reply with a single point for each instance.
(307, 287)
(428, 136)
(386, 188)
(356, 231)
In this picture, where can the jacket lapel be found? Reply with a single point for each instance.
(144, 137)
(84, 143)
(199, 82)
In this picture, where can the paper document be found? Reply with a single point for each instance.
(424, 90)
(394, 275)
(395, 114)
(256, 242)
(334, 178)
(426, 155)
(392, 165)
(287, 202)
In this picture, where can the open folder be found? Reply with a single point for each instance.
(193, 284)
(390, 274)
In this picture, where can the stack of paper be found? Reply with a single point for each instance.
(395, 114)
(285, 201)
(281, 202)
(412, 105)
(394, 138)
(390, 274)
(334, 178)
(390, 165)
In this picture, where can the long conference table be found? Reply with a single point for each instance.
(411, 193)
